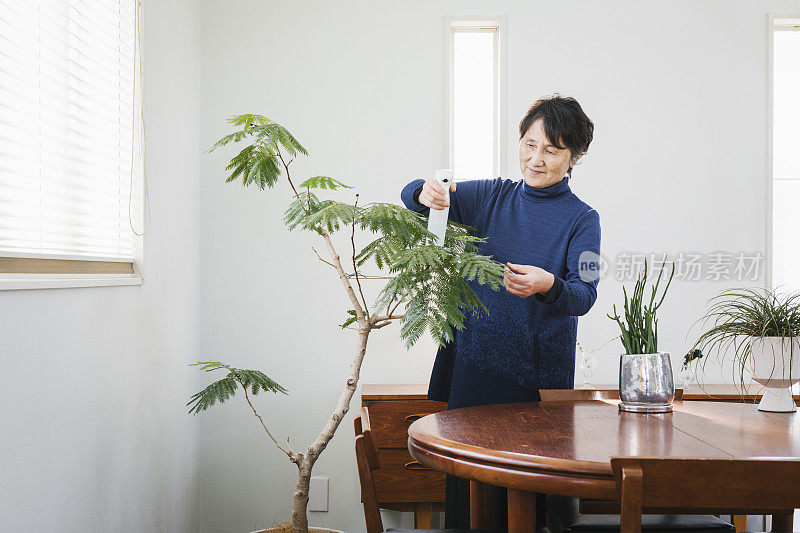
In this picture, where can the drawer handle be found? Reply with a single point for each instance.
(416, 465)
(412, 418)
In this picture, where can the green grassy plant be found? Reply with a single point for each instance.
(736, 315)
(639, 325)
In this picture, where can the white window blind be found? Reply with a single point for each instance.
(66, 127)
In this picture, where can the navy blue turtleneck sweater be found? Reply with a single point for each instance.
(524, 344)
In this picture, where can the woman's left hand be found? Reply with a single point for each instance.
(526, 280)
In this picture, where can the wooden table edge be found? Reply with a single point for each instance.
(476, 453)
(550, 477)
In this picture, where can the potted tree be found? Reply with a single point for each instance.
(761, 328)
(645, 374)
(427, 282)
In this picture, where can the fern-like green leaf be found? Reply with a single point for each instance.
(249, 120)
(433, 282)
(350, 319)
(396, 222)
(323, 182)
(255, 164)
(261, 161)
(219, 391)
(234, 137)
(382, 250)
(415, 321)
(257, 381)
(225, 388)
(332, 215)
(275, 134)
(475, 266)
(303, 205)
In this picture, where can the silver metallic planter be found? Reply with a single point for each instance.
(645, 383)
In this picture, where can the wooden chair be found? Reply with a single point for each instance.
(368, 462)
(568, 514)
(704, 485)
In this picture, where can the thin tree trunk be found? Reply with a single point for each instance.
(300, 498)
(306, 463)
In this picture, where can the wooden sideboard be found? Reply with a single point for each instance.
(403, 484)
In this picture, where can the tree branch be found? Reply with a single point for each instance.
(344, 399)
(292, 455)
(337, 264)
(386, 318)
(326, 262)
(368, 276)
(336, 261)
(355, 266)
(380, 324)
(395, 307)
(286, 166)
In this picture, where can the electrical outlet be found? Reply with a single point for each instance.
(318, 493)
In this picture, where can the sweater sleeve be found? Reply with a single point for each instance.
(465, 203)
(579, 287)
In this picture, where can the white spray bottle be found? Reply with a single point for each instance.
(437, 219)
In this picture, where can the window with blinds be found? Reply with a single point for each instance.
(67, 109)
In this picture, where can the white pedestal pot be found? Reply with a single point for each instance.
(776, 365)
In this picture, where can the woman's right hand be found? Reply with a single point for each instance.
(433, 195)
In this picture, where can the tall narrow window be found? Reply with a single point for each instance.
(474, 136)
(786, 154)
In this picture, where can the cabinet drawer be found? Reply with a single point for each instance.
(390, 419)
(401, 479)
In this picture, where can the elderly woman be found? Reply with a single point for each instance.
(550, 242)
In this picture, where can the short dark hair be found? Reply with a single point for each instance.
(564, 122)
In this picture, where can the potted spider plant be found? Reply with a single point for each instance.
(761, 328)
(646, 384)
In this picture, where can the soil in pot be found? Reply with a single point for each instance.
(286, 527)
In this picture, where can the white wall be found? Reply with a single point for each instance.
(677, 91)
(94, 382)
(95, 435)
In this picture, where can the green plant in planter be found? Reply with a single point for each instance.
(639, 326)
(428, 282)
(736, 316)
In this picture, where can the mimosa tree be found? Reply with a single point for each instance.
(426, 288)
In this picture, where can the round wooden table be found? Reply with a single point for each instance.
(565, 447)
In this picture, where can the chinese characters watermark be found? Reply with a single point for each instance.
(689, 266)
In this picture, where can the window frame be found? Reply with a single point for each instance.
(59, 271)
(775, 22)
(477, 22)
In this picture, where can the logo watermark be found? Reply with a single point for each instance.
(591, 266)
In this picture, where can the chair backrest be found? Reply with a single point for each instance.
(704, 486)
(367, 460)
(574, 395)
